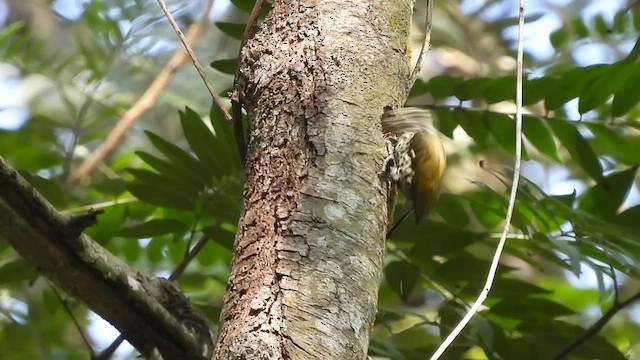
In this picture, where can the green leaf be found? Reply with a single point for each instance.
(443, 86)
(503, 130)
(612, 141)
(620, 21)
(452, 211)
(110, 186)
(579, 27)
(153, 228)
(130, 249)
(409, 344)
(540, 136)
(213, 253)
(38, 155)
(234, 30)
(419, 88)
(506, 288)
(602, 87)
(450, 315)
(247, 6)
(225, 144)
(244, 5)
(601, 26)
(559, 38)
(145, 177)
(467, 268)
(472, 88)
(210, 311)
(579, 149)
(446, 120)
(50, 189)
(475, 125)
(387, 316)
(605, 198)
(155, 248)
(626, 95)
(488, 209)
(636, 20)
(227, 66)
(556, 335)
(161, 196)
(485, 332)
(512, 308)
(50, 301)
(538, 89)
(629, 218)
(571, 85)
(437, 238)
(201, 140)
(175, 251)
(402, 277)
(179, 158)
(501, 89)
(109, 223)
(173, 172)
(17, 272)
(220, 236)
(10, 30)
(567, 199)
(499, 201)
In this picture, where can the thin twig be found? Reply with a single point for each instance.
(251, 24)
(544, 117)
(108, 352)
(630, 6)
(635, 52)
(8, 316)
(512, 199)
(194, 59)
(89, 101)
(596, 327)
(398, 223)
(189, 256)
(426, 45)
(144, 103)
(76, 128)
(237, 101)
(98, 206)
(614, 278)
(67, 309)
(446, 292)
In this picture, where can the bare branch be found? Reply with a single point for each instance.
(237, 94)
(153, 313)
(194, 59)
(189, 256)
(67, 309)
(107, 353)
(426, 45)
(146, 101)
(596, 327)
(635, 52)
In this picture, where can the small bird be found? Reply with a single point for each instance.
(417, 159)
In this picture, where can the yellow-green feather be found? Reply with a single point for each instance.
(429, 165)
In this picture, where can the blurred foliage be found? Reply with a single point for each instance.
(183, 182)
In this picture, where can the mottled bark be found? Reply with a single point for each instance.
(152, 313)
(310, 246)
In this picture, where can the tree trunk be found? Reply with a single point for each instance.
(310, 245)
